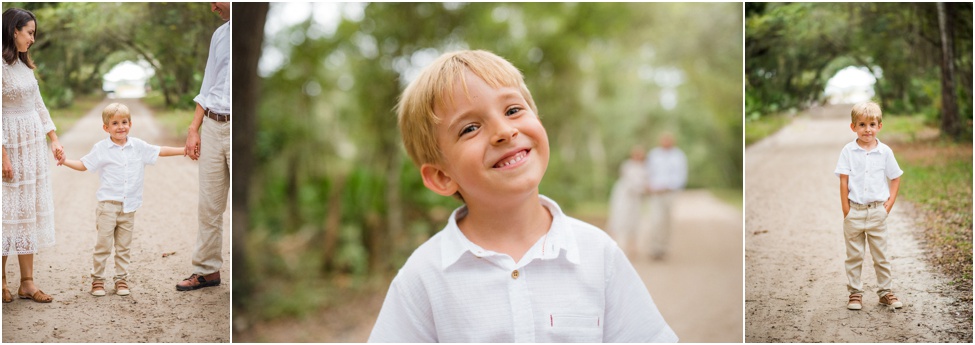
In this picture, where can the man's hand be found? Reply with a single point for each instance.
(192, 148)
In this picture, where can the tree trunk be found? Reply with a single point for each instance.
(248, 33)
(394, 203)
(949, 106)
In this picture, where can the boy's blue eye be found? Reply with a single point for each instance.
(512, 111)
(469, 128)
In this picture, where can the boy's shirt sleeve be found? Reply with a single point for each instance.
(148, 153)
(93, 160)
(843, 165)
(892, 169)
(631, 315)
(401, 319)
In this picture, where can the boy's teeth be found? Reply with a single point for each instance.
(513, 160)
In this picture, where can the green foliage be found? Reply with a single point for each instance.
(77, 43)
(792, 49)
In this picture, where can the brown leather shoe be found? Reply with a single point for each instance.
(890, 300)
(197, 281)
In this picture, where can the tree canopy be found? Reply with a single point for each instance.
(76, 43)
(792, 49)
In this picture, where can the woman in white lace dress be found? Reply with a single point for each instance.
(626, 201)
(28, 207)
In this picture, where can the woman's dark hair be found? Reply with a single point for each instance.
(15, 19)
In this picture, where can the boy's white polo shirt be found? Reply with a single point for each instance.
(868, 171)
(121, 170)
(573, 285)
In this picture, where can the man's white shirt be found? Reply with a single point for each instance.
(573, 285)
(215, 90)
(667, 168)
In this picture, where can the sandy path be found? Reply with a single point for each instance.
(794, 251)
(166, 222)
(697, 289)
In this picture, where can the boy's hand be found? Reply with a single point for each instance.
(8, 168)
(888, 205)
(846, 210)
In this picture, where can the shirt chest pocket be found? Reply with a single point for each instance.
(575, 327)
(874, 164)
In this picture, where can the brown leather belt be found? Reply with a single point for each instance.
(215, 116)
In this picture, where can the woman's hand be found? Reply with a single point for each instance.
(8, 168)
(58, 151)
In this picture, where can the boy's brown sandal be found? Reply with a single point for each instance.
(37, 296)
(98, 288)
(856, 302)
(121, 288)
(890, 300)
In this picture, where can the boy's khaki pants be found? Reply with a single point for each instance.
(867, 223)
(214, 186)
(114, 227)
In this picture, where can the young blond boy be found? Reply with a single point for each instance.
(120, 162)
(509, 266)
(864, 168)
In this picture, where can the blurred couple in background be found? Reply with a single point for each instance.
(641, 203)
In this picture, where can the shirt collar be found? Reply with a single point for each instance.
(111, 144)
(559, 239)
(856, 146)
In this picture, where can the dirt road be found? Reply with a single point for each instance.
(697, 289)
(166, 222)
(794, 251)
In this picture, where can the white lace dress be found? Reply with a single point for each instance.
(28, 207)
(626, 201)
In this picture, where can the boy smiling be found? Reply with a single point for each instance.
(509, 266)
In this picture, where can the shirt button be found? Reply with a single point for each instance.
(514, 274)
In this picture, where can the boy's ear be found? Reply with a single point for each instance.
(853, 126)
(105, 127)
(437, 180)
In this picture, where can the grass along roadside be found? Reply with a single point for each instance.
(759, 128)
(173, 121)
(65, 118)
(938, 179)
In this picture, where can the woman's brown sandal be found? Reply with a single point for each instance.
(37, 296)
(7, 296)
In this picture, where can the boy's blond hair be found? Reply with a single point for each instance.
(114, 109)
(867, 110)
(434, 87)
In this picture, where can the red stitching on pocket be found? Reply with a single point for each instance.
(551, 320)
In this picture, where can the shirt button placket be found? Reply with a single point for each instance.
(521, 308)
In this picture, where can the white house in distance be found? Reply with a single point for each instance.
(127, 80)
